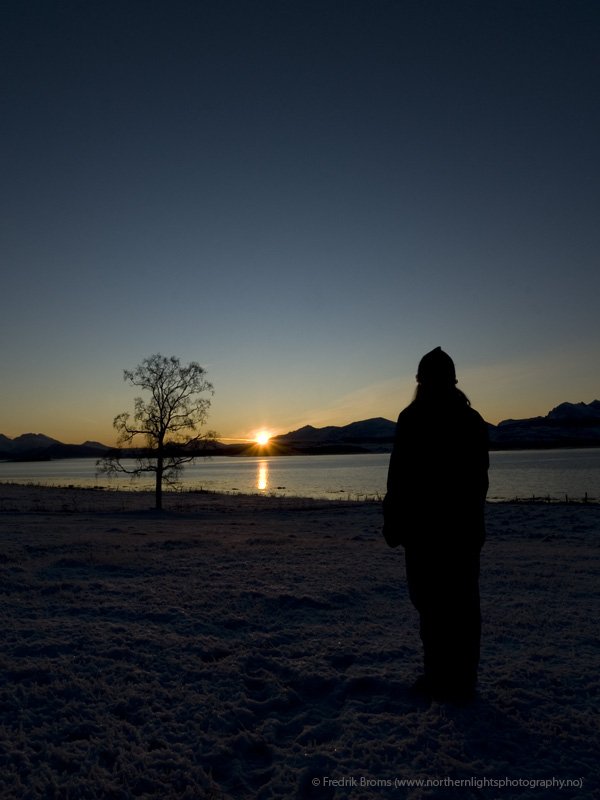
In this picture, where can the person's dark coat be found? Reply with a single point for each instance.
(437, 479)
(434, 508)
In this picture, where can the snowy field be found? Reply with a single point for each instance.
(252, 647)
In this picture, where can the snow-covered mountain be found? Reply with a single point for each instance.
(577, 412)
(568, 424)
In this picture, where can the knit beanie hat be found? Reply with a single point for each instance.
(436, 367)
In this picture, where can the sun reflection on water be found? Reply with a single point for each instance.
(262, 476)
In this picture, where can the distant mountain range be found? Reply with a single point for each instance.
(567, 425)
(369, 435)
(37, 446)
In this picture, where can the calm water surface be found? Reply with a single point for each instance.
(520, 474)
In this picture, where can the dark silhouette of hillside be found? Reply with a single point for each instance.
(566, 425)
(370, 435)
(39, 447)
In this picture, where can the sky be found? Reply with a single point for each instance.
(304, 197)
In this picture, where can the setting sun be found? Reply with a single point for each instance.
(262, 437)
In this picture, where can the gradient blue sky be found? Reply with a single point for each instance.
(304, 197)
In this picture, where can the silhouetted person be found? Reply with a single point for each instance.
(434, 508)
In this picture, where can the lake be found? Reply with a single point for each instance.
(515, 474)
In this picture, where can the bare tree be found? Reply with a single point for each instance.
(168, 421)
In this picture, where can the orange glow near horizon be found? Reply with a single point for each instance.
(262, 438)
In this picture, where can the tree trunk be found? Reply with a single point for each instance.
(159, 479)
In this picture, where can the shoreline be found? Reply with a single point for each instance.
(325, 450)
(185, 497)
(69, 498)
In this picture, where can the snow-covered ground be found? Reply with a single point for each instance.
(252, 647)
